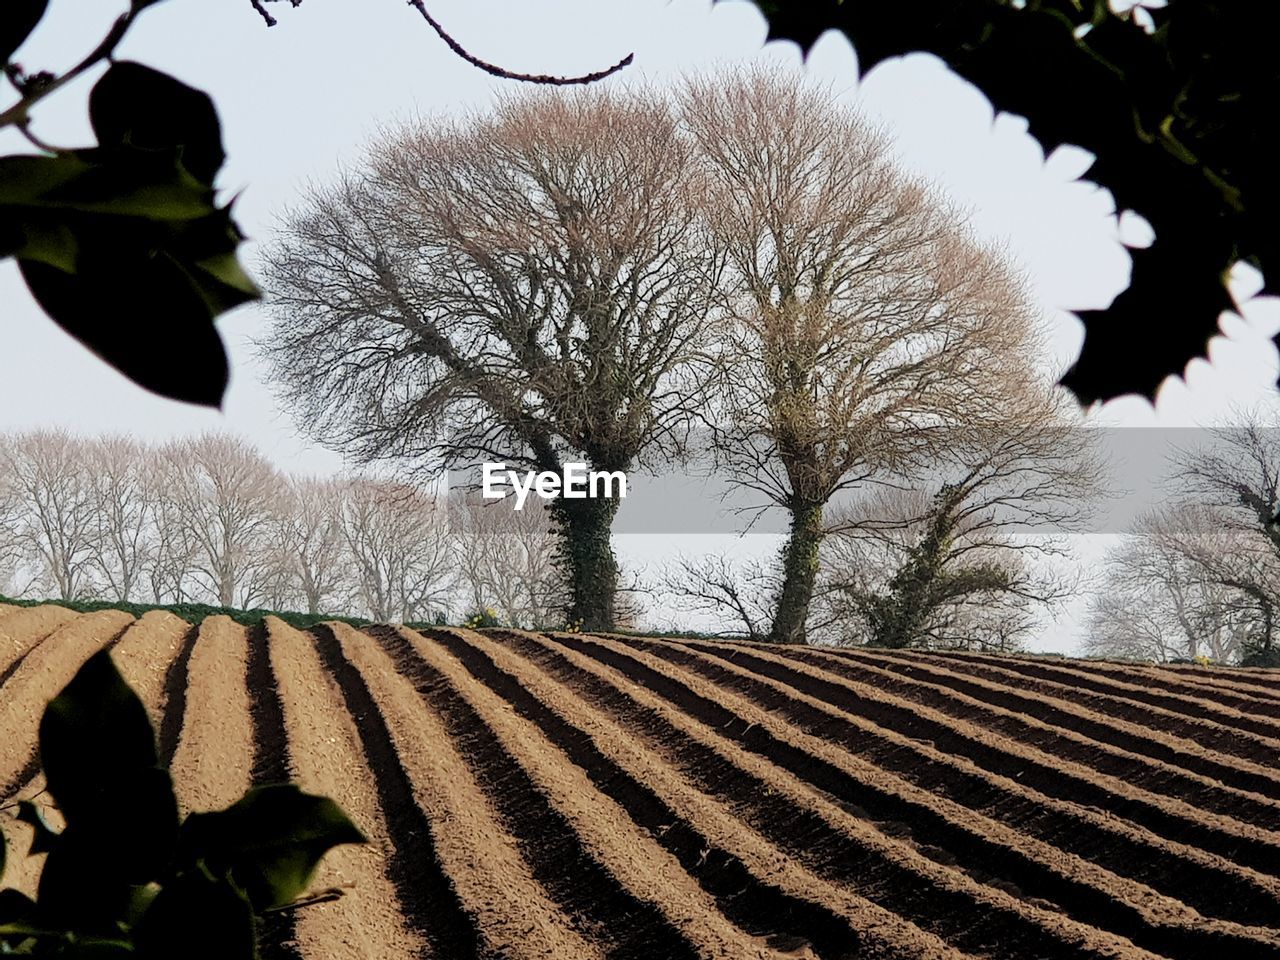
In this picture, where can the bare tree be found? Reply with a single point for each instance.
(11, 547)
(48, 475)
(170, 568)
(221, 498)
(1171, 590)
(862, 325)
(308, 541)
(741, 595)
(506, 560)
(968, 564)
(123, 510)
(531, 287)
(397, 540)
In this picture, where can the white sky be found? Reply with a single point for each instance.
(301, 98)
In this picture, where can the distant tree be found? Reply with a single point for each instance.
(531, 287)
(1209, 559)
(1174, 101)
(124, 504)
(506, 560)
(57, 523)
(1160, 602)
(223, 497)
(397, 541)
(308, 541)
(11, 550)
(861, 326)
(740, 596)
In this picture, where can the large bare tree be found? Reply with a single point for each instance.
(862, 326)
(530, 287)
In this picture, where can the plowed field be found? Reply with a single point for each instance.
(582, 796)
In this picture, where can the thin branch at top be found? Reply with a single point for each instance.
(497, 71)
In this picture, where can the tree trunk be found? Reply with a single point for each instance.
(586, 552)
(799, 572)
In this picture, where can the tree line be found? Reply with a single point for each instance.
(210, 520)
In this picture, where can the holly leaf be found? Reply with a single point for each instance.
(133, 105)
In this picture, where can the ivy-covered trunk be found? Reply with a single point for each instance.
(586, 552)
(799, 573)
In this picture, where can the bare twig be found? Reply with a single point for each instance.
(17, 114)
(497, 71)
(257, 5)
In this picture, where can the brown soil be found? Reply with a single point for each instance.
(211, 766)
(1144, 758)
(1172, 818)
(566, 795)
(47, 666)
(144, 655)
(366, 923)
(21, 628)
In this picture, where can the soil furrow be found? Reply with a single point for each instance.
(719, 851)
(277, 934)
(1210, 735)
(214, 757)
(432, 908)
(1194, 680)
(1213, 885)
(1005, 857)
(169, 730)
(22, 630)
(515, 916)
(1141, 757)
(47, 666)
(840, 845)
(1173, 819)
(601, 868)
(1221, 687)
(1127, 693)
(145, 655)
(366, 922)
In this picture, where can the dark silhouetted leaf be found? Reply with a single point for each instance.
(16, 907)
(19, 19)
(198, 917)
(99, 756)
(140, 313)
(43, 838)
(1180, 121)
(134, 105)
(93, 731)
(269, 841)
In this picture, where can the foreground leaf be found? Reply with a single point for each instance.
(198, 916)
(270, 841)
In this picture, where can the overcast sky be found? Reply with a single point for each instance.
(300, 99)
